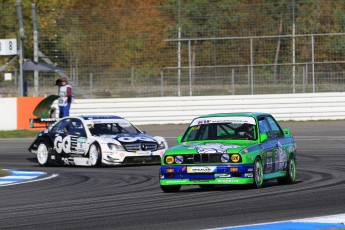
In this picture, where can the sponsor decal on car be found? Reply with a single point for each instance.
(143, 153)
(134, 139)
(176, 181)
(201, 169)
(234, 120)
(248, 175)
(81, 144)
(222, 175)
(221, 180)
(212, 147)
(62, 144)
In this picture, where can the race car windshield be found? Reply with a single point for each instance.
(112, 129)
(221, 131)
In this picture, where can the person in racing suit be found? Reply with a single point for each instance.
(65, 99)
(246, 130)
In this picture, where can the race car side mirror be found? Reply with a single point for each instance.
(179, 139)
(287, 132)
(263, 137)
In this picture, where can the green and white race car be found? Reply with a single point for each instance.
(230, 148)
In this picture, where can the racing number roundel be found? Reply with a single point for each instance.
(62, 144)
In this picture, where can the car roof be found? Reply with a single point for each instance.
(236, 114)
(95, 117)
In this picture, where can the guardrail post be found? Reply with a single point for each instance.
(251, 66)
(162, 83)
(312, 61)
(233, 81)
(190, 68)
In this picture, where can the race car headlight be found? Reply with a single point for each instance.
(225, 158)
(169, 160)
(161, 146)
(235, 158)
(113, 146)
(179, 159)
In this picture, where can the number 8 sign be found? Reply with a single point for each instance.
(8, 46)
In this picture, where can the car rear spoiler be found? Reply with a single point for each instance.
(42, 122)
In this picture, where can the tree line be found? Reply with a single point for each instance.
(106, 35)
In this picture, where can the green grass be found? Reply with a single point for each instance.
(4, 173)
(18, 133)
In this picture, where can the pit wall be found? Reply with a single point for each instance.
(16, 112)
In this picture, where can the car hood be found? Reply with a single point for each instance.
(209, 147)
(128, 138)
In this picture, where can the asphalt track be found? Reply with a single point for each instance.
(130, 197)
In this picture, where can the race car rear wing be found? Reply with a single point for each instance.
(42, 122)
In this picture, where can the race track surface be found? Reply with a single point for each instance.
(130, 197)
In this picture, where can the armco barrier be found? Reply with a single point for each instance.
(165, 110)
(175, 110)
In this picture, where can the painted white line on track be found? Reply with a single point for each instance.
(22, 177)
(25, 172)
(29, 181)
(340, 218)
(314, 223)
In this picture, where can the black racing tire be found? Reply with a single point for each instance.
(290, 176)
(44, 152)
(258, 174)
(170, 188)
(95, 155)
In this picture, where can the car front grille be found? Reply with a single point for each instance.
(207, 158)
(202, 158)
(142, 160)
(141, 147)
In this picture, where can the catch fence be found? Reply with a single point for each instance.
(136, 52)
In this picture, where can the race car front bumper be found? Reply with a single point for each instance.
(210, 174)
(129, 158)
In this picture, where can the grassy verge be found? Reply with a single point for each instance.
(4, 173)
(18, 133)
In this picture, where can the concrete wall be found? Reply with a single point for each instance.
(176, 110)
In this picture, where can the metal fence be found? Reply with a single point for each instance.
(227, 49)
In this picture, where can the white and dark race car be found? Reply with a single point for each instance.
(96, 141)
